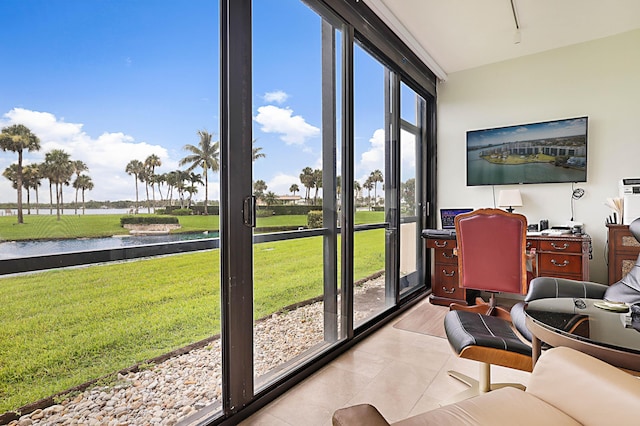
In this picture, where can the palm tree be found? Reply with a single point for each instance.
(357, 188)
(294, 188)
(368, 185)
(317, 182)
(79, 166)
(84, 183)
(306, 178)
(376, 176)
(160, 179)
(150, 163)
(59, 171)
(46, 172)
(270, 198)
(31, 180)
(172, 179)
(194, 179)
(11, 173)
(204, 155)
(135, 168)
(256, 151)
(17, 138)
(259, 187)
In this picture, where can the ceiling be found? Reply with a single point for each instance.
(454, 35)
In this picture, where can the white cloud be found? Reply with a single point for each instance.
(106, 156)
(408, 155)
(281, 183)
(294, 130)
(278, 97)
(373, 158)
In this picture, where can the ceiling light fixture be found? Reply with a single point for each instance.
(516, 35)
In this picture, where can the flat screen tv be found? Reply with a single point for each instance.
(545, 152)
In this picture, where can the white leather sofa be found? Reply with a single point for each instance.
(566, 388)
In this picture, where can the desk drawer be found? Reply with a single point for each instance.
(553, 264)
(446, 283)
(445, 256)
(441, 244)
(561, 246)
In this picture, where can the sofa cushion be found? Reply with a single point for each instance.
(506, 406)
(587, 389)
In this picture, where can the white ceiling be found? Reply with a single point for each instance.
(454, 35)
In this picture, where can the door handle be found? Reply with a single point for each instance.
(249, 211)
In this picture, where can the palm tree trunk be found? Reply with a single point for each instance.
(50, 197)
(37, 200)
(76, 203)
(83, 201)
(206, 190)
(136, 176)
(19, 187)
(58, 200)
(146, 185)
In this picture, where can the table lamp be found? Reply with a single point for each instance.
(509, 198)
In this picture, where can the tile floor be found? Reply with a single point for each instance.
(402, 373)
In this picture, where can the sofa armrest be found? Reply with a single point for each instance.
(548, 287)
(585, 388)
(358, 415)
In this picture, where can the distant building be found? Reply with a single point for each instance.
(289, 199)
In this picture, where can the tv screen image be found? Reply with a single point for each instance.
(546, 152)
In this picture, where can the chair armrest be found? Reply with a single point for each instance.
(519, 320)
(358, 415)
(548, 287)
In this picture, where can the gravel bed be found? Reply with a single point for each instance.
(169, 392)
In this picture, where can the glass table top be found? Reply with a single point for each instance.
(580, 319)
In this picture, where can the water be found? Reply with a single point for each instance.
(19, 249)
(67, 212)
(482, 172)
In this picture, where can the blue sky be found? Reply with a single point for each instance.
(110, 81)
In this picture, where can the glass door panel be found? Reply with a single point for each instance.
(111, 127)
(411, 108)
(295, 185)
(370, 157)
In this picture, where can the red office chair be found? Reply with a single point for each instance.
(491, 256)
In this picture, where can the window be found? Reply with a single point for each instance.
(286, 158)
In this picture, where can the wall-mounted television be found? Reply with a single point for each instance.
(544, 152)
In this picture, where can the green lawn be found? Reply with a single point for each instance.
(76, 226)
(61, 328)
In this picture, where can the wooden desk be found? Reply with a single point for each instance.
(623, 251)
(565, 256)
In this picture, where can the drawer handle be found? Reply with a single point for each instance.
(564, 246)
(453, 290)
(440, 244)
(447, 255)
(528, 244)
(450, 274)
(560, 265)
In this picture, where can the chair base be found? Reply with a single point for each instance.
(477, 387)
(485, 308)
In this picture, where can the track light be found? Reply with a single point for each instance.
(516, 35)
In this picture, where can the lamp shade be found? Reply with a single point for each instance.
(509, 198)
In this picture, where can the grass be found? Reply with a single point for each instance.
(77, 226)
(63, 327)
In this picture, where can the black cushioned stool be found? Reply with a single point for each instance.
(488, 340)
